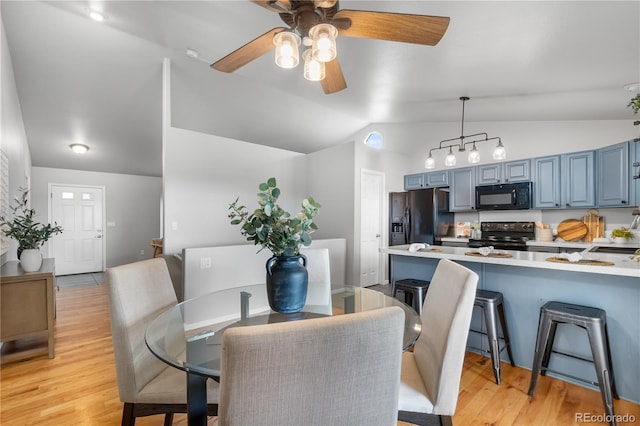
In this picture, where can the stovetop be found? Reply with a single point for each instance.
(505, 235)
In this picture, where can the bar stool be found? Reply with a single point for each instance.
(594, 321)
(414, 292)
(492, 305)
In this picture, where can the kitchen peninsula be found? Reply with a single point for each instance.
(527, 280)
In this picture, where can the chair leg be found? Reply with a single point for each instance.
(128, 415)
(548, 347)
(489, 311)
(423, 419)
(446, 421)
(168, 419)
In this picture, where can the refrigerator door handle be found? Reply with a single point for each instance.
(407, 224)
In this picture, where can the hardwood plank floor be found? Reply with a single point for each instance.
(79, 387)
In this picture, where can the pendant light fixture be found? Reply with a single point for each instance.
(323, 37)
(499, 152)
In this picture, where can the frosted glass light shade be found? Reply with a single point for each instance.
(499, 153)
(474, 155)
(323, 37)
(429, 163)
(450, 159)
(287, 43)
(325, 4)
(313, 70)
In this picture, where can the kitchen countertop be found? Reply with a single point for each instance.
(623, 265)
(580, 244)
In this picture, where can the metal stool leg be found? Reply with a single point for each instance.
(599, 349)
(544, 329)
(613, 382)
(551, 337)
(505, 332)
(490, 313)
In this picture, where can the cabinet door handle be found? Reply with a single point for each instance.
(568, 205)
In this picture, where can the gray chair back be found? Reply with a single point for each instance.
(340, 370)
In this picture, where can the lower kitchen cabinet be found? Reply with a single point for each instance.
(27, 309)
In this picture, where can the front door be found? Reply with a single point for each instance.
(79, 210)
(371, 189)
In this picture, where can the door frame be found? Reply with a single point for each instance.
(381, 225)
(103, 190)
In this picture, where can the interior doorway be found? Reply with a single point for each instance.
(80, 212)
(371, 228)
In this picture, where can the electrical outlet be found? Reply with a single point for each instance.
(141, 252)
(205, 262)
(174, 226)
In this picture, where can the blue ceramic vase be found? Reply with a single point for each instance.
(287, 282)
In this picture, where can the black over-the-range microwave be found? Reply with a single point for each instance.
(507, 196)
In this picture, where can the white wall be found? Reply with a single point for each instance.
(203, 174)
(13, 139)
(132, 203)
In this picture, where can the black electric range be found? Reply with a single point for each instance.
(505, 235)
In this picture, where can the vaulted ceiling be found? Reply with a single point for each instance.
(80, 81)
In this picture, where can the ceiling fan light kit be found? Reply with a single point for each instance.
(499, 152)
(286, 43)
(320, 22)
(313, 70)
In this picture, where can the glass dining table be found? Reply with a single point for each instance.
(189, 335)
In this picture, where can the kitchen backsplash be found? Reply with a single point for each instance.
(613, 218)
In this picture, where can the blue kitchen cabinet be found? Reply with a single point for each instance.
(463, 189)
(426, 180)
(613, 175)
(511, 171)
(634, 164)
(546, 182)
(578, 180)
(414, 181)
(437, 179)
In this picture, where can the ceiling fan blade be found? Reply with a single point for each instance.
(333, 80)
(247, 53)
(278, 6)
(402, 27)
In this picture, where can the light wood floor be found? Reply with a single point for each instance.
(78, 386)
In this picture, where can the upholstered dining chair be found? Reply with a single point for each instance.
(319, 290)
(339, 370)
(430, 377)
(138, 292)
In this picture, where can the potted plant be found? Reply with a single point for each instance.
(29, 234)
(621, 235)
(273, 228)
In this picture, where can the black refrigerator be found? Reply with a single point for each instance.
(420, 216)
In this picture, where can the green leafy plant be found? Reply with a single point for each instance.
(634, 104)
(273, 228)
(622, 233)
(23, 228)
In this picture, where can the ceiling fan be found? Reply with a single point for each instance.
(316, 23)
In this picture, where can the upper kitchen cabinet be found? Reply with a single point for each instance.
(546, 182)
(426, 180)
(414, 181)
(463, 189)
(613, 175)
(437, 179)
(511, 171)
(578, 189)
(634, 162)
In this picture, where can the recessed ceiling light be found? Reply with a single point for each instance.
(96, 16)
(192, 53)
(633, 87)
(79, 148)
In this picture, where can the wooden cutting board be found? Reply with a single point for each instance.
(595, 225)
(572, 230)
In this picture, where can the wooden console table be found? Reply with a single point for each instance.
(27, 309)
